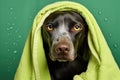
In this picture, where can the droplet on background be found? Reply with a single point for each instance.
(105, 19)
(115, 45)
(11, 27)
(19, 36)
(15, 51)
(8, 68)
(14, 43)
(11, 8)
(110, 35)
(11, 11)
(8, 50)
(99, 12)
(34, 10)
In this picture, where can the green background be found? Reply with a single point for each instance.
(16, 18)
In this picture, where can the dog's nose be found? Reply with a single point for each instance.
(62, 49)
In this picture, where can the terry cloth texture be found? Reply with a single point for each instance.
(33, 65)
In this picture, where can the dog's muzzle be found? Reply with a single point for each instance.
(62, 49)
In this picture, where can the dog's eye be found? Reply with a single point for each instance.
(76, 27)
(49, 27)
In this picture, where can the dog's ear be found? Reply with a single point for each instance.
(86, 52)
(45, 38)
(84, 48)
(45, 35)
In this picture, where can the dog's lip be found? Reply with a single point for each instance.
(64, 58)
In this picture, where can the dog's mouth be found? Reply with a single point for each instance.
(64, 58)
(62, 50)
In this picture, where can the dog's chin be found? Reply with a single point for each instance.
(62, 59)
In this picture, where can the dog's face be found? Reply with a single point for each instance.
(64, 33)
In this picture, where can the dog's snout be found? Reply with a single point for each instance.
(62, 49)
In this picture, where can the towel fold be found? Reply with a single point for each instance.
(33, 64)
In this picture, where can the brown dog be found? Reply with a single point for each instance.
(65, 44)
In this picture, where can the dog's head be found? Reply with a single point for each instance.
(63, 34)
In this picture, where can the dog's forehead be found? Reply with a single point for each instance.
(60, 15)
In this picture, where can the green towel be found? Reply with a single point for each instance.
(33, 65)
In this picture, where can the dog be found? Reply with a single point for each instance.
(64, 36)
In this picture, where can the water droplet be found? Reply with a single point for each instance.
(8, 50)
(11, 8)
(14, 43)
(110, 35)
(99, 12)
(11, 27)
(19, 36)
(34, 10)
(8, 68)
(15, 51)
(115, 45)
(11, 11)
(105, 19)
